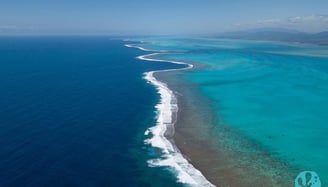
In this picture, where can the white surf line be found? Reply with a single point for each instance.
(144, 49)
(185, 172)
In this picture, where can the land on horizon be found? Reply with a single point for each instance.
(283, 35)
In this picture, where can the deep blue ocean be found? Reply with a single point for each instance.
(73, 111)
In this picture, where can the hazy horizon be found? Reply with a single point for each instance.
(159, 17)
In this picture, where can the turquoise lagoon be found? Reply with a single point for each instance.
(274, 94)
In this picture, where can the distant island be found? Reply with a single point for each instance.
(284, 35)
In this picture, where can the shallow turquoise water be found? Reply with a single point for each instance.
(274, 93)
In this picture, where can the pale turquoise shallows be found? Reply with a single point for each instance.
(276, 94)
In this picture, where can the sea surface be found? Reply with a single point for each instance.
(80, 111)
(73, 112)
(273, 95)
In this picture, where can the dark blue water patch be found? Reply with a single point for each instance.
(71, 110)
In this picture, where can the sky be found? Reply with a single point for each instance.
(159, 17)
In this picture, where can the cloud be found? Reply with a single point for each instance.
(240, 24)
(269, 21)
(296, 19)
(310, 23)
(308, 19)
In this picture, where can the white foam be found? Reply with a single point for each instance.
(144, 49)
(172, 157)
